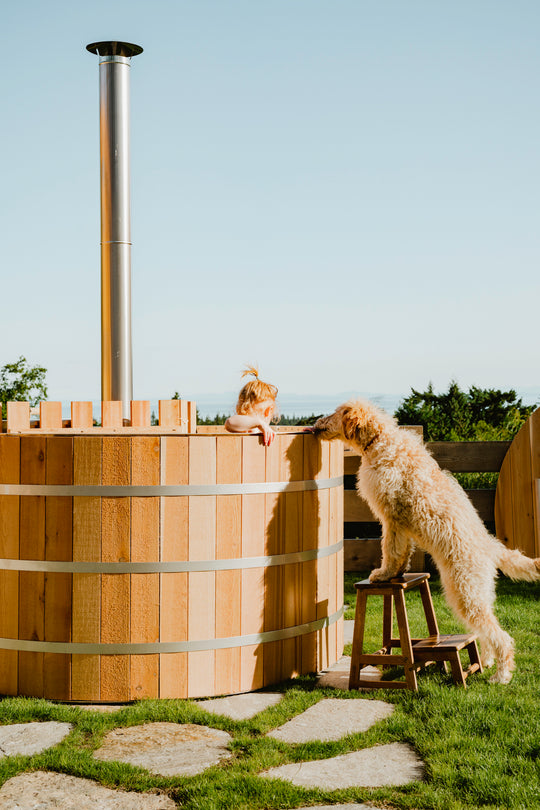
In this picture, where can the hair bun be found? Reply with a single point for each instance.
(251, 370)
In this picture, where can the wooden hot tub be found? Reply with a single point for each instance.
(147, 562)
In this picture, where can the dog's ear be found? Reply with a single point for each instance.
(350, 420)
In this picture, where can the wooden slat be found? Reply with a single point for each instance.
(169, 412)
(483, 501)
(111, 415)
(323, 567)
(140, 413)
(184, 415)
(253, 579)
(335, 531)
(192, 416)
(18, 416)
(145, 525)
(202, 539)
(115, 588)
(58, 546)
(86, 620)
(362, 554)
(228, 546)
(310, 540)
(273, 603)
(174, 587)
(453, 456)
(292, 468)
(324, 659)
(32, 583)
(335, 520)
(469, 456)
(523, 494)
(50, 415)
(357, 510)
(81, 415)
(9, 549)
(535, 473)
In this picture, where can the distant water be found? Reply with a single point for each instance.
(307, 404)
(297, 404)
(300, 404)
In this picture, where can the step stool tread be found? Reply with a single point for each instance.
(451, 643)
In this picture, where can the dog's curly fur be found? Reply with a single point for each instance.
(417, 503)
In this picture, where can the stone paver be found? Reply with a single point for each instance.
(41, 790)
(332, 719)
(31, 738)
(393, 764)
(337, 676)
(167, 749)
(348, 629)
(106, 708)
(241, 707)
(340, 807)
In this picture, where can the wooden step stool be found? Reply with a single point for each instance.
(415, 653)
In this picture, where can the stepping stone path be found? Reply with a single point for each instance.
(44, 791)
(332, 719)
(393, 764)
(171, 749)
(31, 738)
(167, 749)
(241, 707)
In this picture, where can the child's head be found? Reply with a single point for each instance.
(257, 396)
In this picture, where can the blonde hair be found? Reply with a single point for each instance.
(255, 392)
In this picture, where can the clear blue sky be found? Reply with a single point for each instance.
(346, 192)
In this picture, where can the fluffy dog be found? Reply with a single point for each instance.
(417, 503)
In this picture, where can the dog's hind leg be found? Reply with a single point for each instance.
(397, 549)
(475, 608)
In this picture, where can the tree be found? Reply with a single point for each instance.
(20, 381)
(481, 414)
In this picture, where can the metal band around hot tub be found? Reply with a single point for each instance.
(79, 567)
(168, 490)
(82, 648)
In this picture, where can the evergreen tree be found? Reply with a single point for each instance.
(481, 414)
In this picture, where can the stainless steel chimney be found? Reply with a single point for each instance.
(116, 347)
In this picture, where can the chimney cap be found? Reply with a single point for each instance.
(114, 48)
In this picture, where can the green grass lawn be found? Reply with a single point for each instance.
(481, 745)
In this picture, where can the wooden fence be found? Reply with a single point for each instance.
(362, 531)
(177, 415)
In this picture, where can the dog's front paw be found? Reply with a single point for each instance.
(379, 575)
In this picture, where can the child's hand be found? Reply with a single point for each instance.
(268, 434)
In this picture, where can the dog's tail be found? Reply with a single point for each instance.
(517, 566)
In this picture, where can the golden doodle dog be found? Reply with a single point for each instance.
(417, 503)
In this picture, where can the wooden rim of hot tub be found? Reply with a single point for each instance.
(147, 562)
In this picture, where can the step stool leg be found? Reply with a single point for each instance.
(405, 639)
(429, 610)
(457, 669)
(474, 655)
(431, 619)
(358, 639)
(388, 611)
